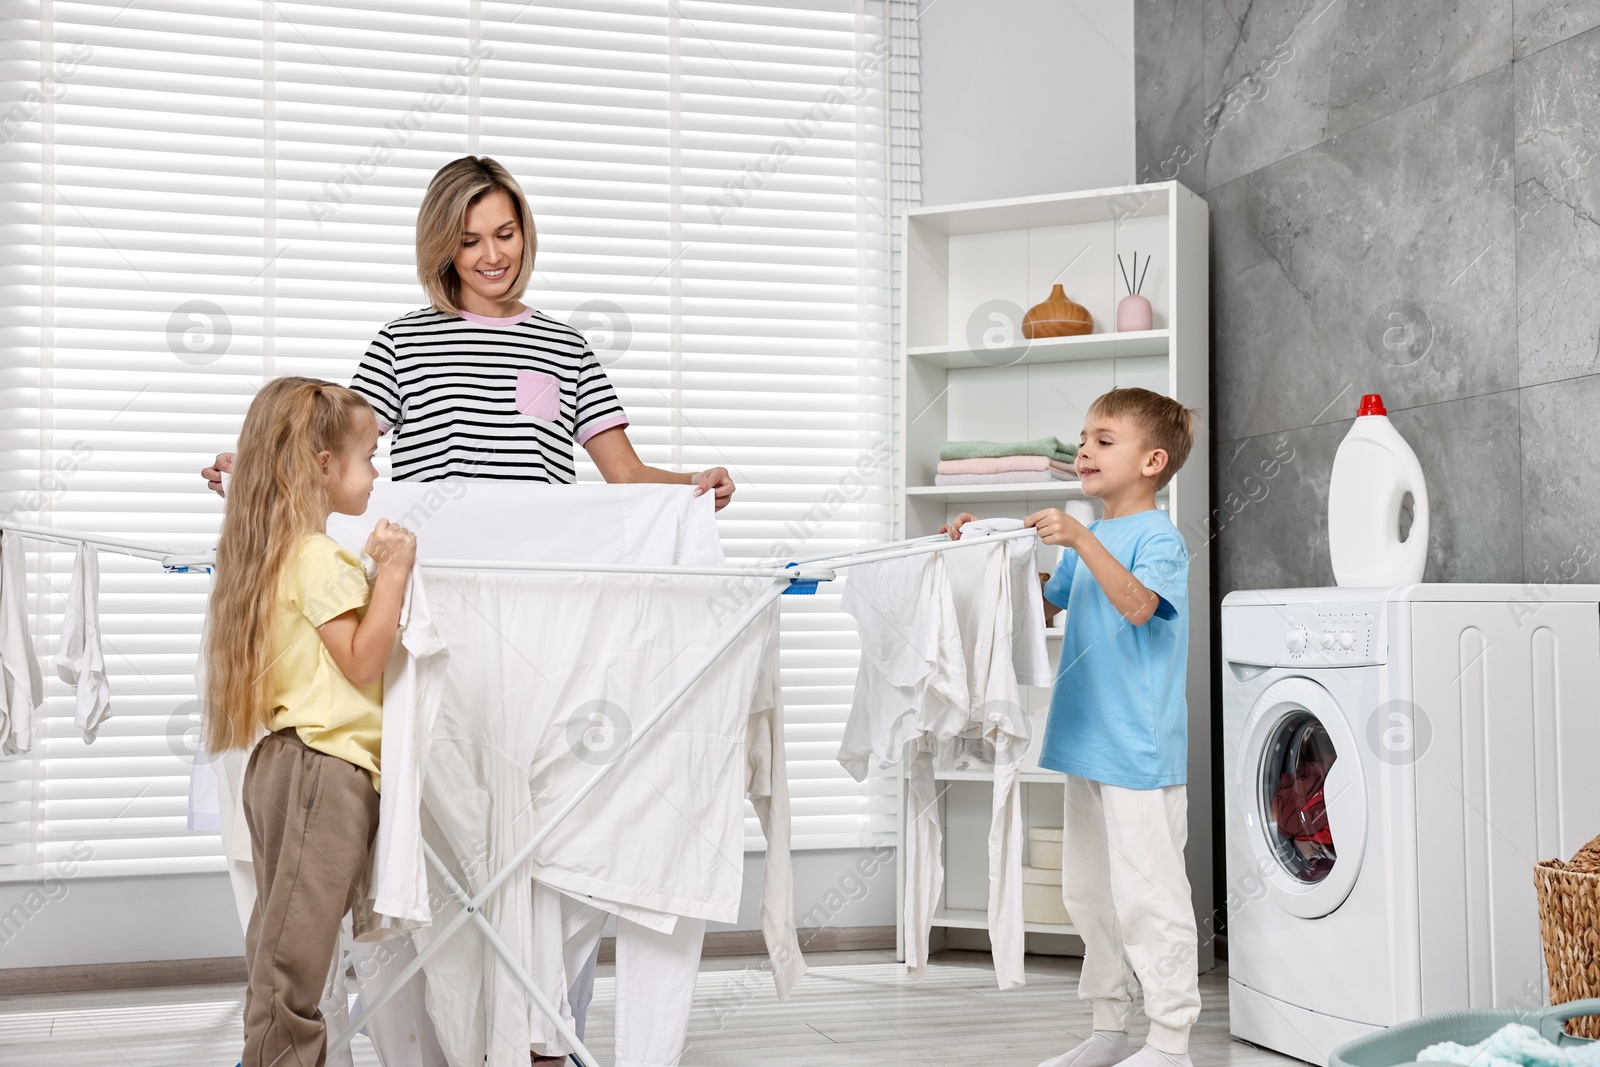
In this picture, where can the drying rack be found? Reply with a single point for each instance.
(798, 577)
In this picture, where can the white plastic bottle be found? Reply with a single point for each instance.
(1373, 471)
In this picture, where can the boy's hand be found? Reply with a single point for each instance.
(393, 546)
(953, 528)
(1056, 527)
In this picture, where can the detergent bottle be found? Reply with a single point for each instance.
(1373, 471)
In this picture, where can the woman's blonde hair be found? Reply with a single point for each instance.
(278, 494)
(457, 186)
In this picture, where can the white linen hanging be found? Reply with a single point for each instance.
(411, 683)
(21, 682)
(79, 660)
(562, 668)
(940, 670)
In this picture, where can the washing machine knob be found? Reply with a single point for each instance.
(1327, 639)
(1295, 640)
(1347, 640)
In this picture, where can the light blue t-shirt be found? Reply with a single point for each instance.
(1117, 710)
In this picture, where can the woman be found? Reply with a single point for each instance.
(478, 384)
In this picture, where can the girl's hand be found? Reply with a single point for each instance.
(953, 528)
(715, 480)
(213, 474)
(393, 546)
(1057, 528)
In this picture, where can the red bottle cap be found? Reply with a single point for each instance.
(1371, 404)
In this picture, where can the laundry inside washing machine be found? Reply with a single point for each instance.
(1294, 776)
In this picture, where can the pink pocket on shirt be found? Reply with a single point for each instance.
(538, 395)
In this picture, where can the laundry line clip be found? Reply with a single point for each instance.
(800, 586)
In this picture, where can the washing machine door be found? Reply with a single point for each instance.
(1304, 797)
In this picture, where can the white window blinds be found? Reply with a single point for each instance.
(197, 195)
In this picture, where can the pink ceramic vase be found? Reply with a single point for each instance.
(1133, 313)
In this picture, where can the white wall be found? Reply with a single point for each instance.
(180, 917)
(1025, 97)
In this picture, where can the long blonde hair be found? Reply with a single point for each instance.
(277, 495)
(457, 186)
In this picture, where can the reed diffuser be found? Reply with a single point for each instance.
(1133, 310)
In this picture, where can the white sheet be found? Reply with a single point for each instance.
(79, 660)
(21, 683)
(561, 668)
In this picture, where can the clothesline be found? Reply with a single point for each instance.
(811, 569)
(67, 537)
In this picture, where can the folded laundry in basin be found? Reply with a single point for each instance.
(1513, 1045)
(1002, 464)
(1050, 447)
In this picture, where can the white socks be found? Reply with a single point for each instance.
(1150, 1056)
(1105, 1048)
(1109, 1048)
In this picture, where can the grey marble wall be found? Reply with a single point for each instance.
(1404, 200)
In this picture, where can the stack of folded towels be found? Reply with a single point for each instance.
(1045, 459)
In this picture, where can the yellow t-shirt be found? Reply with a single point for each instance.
(322, 580)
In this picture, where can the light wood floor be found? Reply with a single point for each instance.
(851, 1009)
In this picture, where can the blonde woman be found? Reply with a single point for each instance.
(296, 641)
(478, 384)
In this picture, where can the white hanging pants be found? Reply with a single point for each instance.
(656, 975)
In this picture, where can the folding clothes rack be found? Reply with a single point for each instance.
(799, 577)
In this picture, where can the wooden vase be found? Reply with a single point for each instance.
(1056, 317)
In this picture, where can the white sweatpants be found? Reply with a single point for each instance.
(1126, 891)
(656, 974)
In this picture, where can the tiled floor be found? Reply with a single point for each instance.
(852, 1008)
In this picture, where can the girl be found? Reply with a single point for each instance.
(478, 383)
(296, 644)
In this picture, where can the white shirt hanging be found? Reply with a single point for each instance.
(21, 683)
(79, 661)
(940, 669)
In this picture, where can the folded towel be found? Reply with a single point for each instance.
(1513, 1045)
(1050, 447)
(1007, 478)
(1001, 464)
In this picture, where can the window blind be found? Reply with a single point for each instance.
(198, 195)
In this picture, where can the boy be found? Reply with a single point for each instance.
(1118, 728)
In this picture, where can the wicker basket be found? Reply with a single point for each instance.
(1569, 921)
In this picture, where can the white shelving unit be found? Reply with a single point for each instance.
(970, 272)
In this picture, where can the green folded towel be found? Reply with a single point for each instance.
(1053, 447)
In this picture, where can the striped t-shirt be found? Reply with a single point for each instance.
(485, 398)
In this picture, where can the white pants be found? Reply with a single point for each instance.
(656, 974)
(1125, 887)
(402, 1033)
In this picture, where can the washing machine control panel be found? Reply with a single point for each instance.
(1329, 635)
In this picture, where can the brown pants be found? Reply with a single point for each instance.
(312, 821)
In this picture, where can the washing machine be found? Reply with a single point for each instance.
(1395, 763)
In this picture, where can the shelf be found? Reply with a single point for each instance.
(1048, 350)
(1001, 491)
(1036, 775)
(974, 919)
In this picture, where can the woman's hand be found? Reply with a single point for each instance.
(1057, 527)
(953, 528)
(716, 480)
(213, 474)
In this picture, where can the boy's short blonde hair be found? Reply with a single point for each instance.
(1165, 423)
(457, 186)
